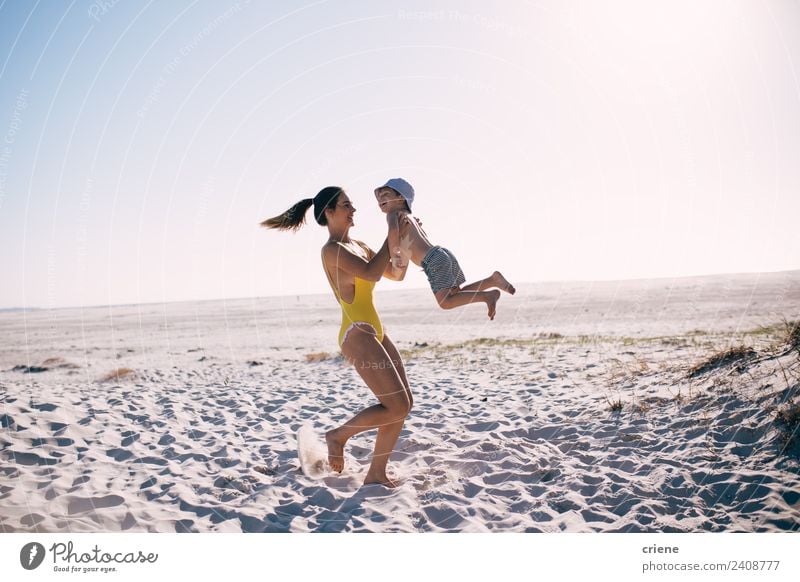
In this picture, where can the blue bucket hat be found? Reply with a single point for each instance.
(402, 187)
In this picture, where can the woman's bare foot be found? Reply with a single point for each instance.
(335, 451)
(501, 283)
(491, 302)
(381, 480)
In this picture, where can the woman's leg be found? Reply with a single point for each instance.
(388, 345)
(375, 367)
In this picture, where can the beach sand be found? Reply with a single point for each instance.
(583, 407)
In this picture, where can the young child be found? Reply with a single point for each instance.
(407, 241)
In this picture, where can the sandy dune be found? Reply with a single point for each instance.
(577, 409)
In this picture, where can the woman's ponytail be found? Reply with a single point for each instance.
(292, 219)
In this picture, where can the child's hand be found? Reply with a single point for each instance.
(419, 222)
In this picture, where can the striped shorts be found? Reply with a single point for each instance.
(442, 269)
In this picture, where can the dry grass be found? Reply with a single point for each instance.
(788, 419)
(118, 374)
(539, 338)
(58, 363)
(793, 334)
(53, 362)
(722, 359)
(785, 335)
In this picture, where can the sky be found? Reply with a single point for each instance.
(141, 143)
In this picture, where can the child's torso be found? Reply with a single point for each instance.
(413, 239)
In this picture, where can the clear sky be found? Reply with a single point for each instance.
(141, 143)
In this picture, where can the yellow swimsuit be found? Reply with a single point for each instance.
(361, 310)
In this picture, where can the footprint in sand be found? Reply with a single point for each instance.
(81, 504)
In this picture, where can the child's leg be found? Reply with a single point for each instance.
(455, 297)
(495, 280)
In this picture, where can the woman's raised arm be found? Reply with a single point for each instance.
(395, 273)
(335, 256)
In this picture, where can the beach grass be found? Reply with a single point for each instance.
(722, 359)
(118, 374)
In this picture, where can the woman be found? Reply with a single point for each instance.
(352, 269)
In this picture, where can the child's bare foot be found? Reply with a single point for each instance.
(335, 451)
(381, 480)
(491, 302)
(501, 283)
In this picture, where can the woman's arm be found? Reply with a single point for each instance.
(337, 257)
(395, 254)
(395, 273)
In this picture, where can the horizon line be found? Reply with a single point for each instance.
(550, 281)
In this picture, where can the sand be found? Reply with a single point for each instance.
(575, 410)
